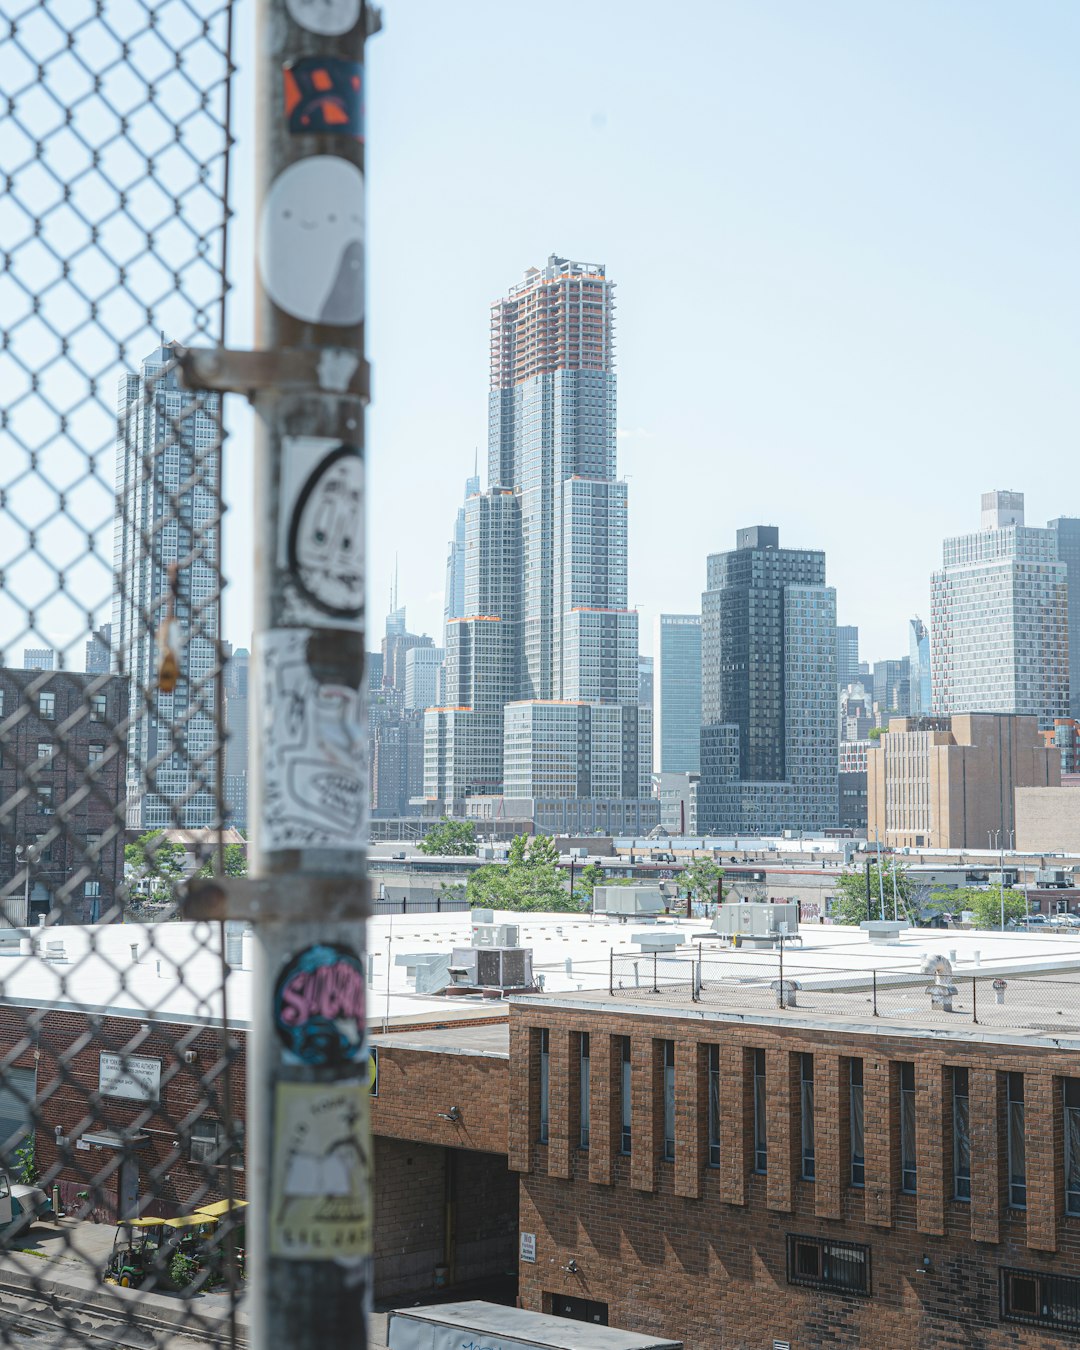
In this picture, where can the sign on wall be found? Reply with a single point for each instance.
(528, 1246)
(137, 1079)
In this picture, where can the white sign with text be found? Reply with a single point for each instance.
(129, 1076)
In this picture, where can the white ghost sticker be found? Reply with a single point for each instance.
(311, 241)
(325, 16)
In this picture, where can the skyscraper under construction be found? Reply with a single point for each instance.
(545, 622)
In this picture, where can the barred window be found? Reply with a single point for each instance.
(806, 1113)
(1040, 1300)
(822, 1264)
(625, 1098)
(961, 1130)
(584, 1103)
(669, 1100)
(714, 1106)
(1070, 1089)
(761, 1151)
(908, 1168)
(856, 1125)
(545, 1084)
(1016, 1142)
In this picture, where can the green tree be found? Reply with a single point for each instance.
(985, 905)
(876, 733)
(849, 905)
(530, 879)
(153, 863)
(450, 839)
(234, 860)
(27, 1173)
(590, 876)
(700, 878)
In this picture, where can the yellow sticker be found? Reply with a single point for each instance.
(321, 1181)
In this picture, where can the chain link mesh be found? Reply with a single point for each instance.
(120, 1066)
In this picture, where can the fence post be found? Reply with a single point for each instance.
(782, 970)
(655, 986)
(308, 1092)
(974, 1005)
(611, 972)
(874, 976)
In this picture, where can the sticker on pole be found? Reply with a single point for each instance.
(329, 17)
(319, 1006)
(315, 749)
(320, 1184)
(321, 535)
(324, 95)
(311, 241)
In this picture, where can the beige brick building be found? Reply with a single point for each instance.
(1048, 821)
(948, 782)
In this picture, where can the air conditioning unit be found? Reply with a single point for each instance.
(495, 967)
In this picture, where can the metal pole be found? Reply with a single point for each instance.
(880, 878)
(308, 1074)
(781, 971)
(869, 895)
(1001, 880)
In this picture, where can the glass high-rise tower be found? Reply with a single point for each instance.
(167, 522)
(999, 620)
(768, 700)
(545, 570)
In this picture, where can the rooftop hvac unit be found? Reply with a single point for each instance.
(631, 901)
(495, 967)
(495, 934)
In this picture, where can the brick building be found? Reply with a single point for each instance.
(735, 1181)
(62, 773)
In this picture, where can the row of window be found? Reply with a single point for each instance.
(957, 1087)
(97, 706)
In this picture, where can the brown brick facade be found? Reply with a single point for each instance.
(701, 1252)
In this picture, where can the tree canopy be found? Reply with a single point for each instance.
(450, 838)
(985, 905)
(155, 860)
(700, 879)
(530, 879)
(850, 906)
(234, 860)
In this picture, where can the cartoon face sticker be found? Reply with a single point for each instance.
(311, 241)
(326, 545)
(325, 16)
(319, 1005)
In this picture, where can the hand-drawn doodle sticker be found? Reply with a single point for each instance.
(311, 241)
(320, 1186)
(328, 17)
(326, 546)
(324, 94)
(319, 1006)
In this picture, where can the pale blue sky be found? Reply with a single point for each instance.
(845, 239)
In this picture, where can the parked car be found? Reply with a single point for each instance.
(21, 1205)
(1066, 920)
(1034, 920)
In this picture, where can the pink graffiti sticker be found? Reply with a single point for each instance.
(319, 1005)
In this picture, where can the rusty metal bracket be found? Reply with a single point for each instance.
(339, 371)
(274, 898)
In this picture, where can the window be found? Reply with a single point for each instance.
(545, 1084)
(961, 1136)
(856, 1126)
(907, 1128)
(44, 794)
(1071, 1093)
(92, 890)
(47, 707)
(95, 753)
(625, 1098)
(211, 1145)
(669, 1100)
(806, 1114)
(1017, 1159)
(714, 1106)
(99, 707)
(844, 1266)
(583, 1087)
(761, 1153)
(1042, 1300)
(45, 752)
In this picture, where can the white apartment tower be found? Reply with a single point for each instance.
(167, 514)
(999, 620)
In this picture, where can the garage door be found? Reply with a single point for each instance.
(16, 1096)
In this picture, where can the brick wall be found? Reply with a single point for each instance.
(700, 1252)
(416, 1085)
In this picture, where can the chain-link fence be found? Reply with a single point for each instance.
(780, 981)
(121, 1050)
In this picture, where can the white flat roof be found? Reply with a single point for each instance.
(177, 973)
